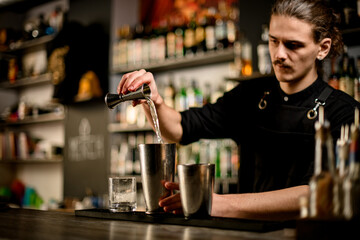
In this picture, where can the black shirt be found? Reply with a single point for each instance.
(277, 143)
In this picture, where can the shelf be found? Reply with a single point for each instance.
(351, 30)
(226, 55)
(253, 76)
(32, 161)
(28, 81)
(20, 6)
(30, 43)
(123, 128)
(43, 118)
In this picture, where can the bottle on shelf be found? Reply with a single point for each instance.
(352, 77)
(181, 98)
(189, 38)
(346, 84)
(170, 44)
(321, 184)
(220, 32)
(352, 179)
(131, 48)
(333, 78)
(190, 93)
(342, 160)
(179, 42)
(207, 94)
(169, 93)
(264, 60)
(199, 98)
(161, 42)
(231, 25)
(200, 37)
(210, 40)
(357, 81)
(145, 59)
(123, 45)
(246, 57)
(138, 44)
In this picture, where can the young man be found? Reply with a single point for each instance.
(272, 119)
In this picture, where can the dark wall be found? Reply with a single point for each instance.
(91, 11)
(253, 14)
(86, 157)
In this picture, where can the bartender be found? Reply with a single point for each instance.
(272, 119)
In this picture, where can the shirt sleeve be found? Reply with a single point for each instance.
(213, 121)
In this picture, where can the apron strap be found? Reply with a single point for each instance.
(320, 101)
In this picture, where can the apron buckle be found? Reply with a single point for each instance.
(263, 103)
(312, 113)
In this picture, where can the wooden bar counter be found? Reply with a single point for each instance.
(36, 224)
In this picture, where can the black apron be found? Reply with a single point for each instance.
(280, 150)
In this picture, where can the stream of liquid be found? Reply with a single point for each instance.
(155, 119)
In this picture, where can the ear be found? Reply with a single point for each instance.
(324, 48)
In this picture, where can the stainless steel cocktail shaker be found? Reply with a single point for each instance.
(157, 166)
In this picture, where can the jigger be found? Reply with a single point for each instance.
(196, 189)
(157, 163)
(113, 99)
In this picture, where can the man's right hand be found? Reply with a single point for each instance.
(131, 81)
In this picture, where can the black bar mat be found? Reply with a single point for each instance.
(166, 218)
(314, 229)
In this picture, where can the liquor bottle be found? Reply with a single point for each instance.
(131, 48)
(207, 94)
(169, 93)
(357, 81)
(210, 30)
(345, 83)
(123, 45)
(170, 44)
(116, 48)
(199, 98)
(153, 46)
(220, 33)
(333, 78)
(179, 42)
(138, 36)
(200, 35)
(13, 70)
(232, 29)
(146, 46)
(218, 161)
(136, 164)
(190, 92)
(189, 38)
(122, 156)
(352, 180)
(221, 26)
(42, 28)
(161, 42)
(321, 183)
(129, 160)
(342, 150)
(264, 60)
(181, 99)
(218, 93)
(350, 13)
(352, 77)
(246, 57)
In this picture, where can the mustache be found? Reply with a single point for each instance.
(281, 63)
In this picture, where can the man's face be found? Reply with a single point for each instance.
(292, 48)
